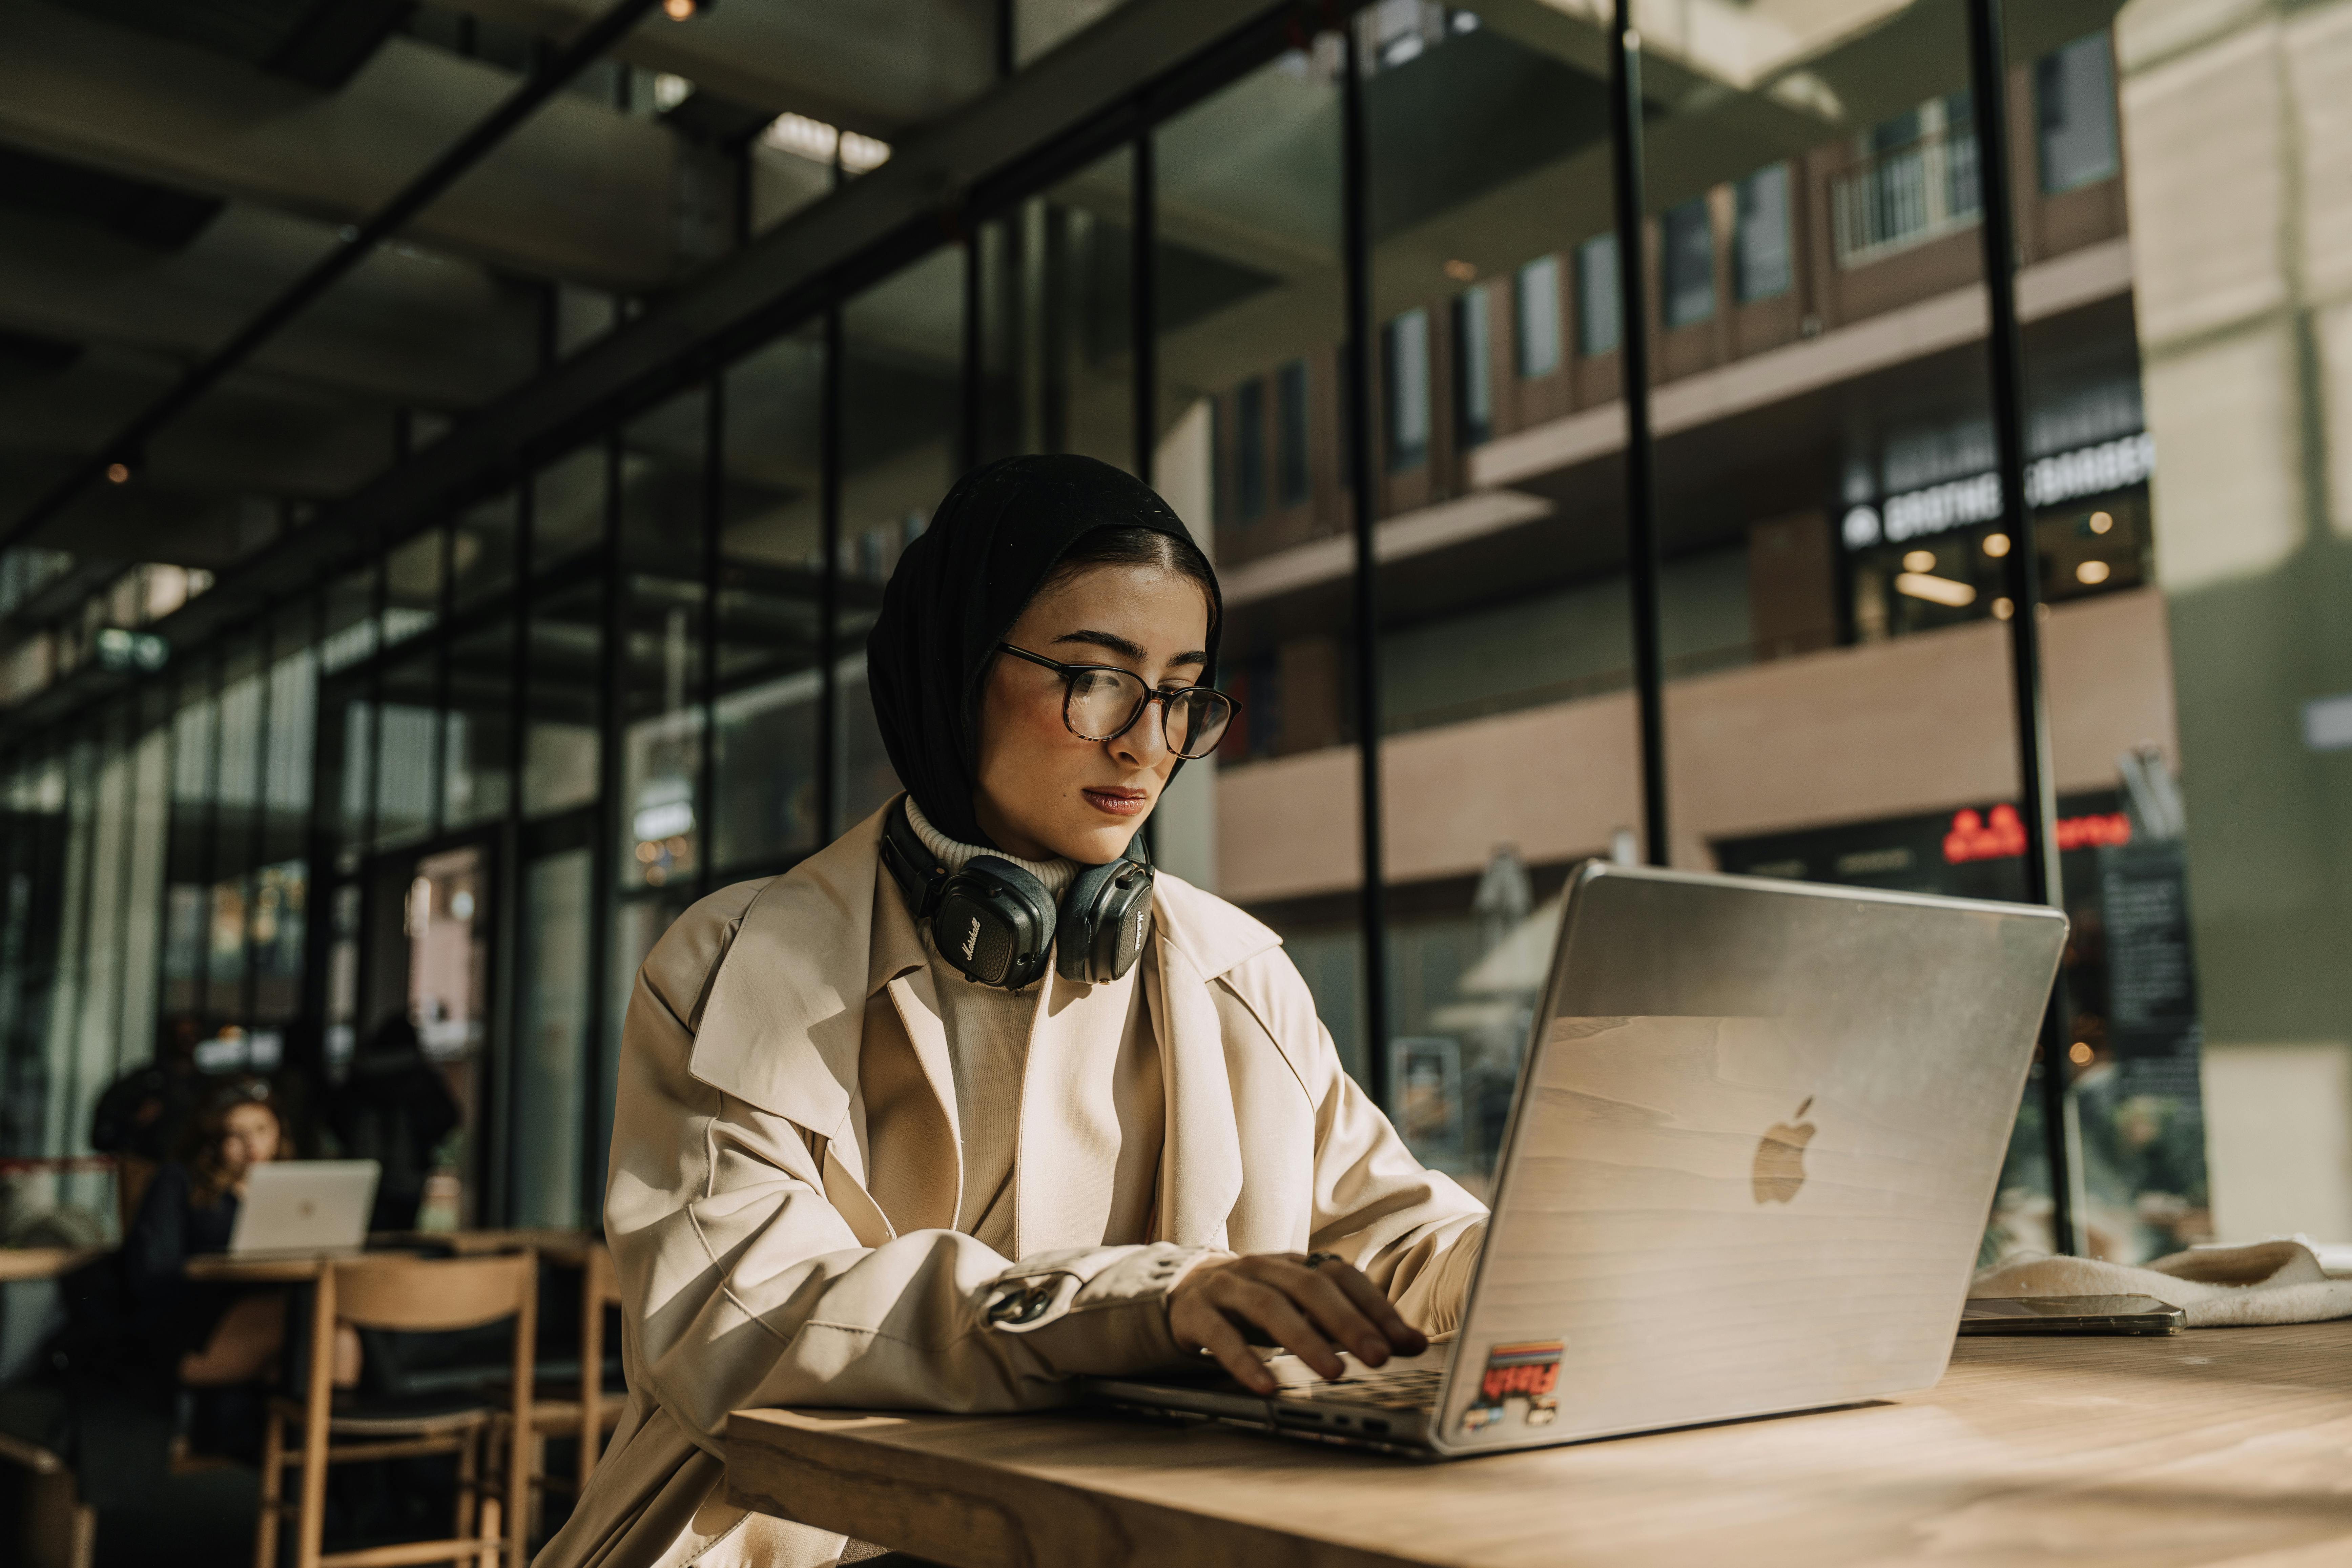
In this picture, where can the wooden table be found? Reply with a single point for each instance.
(44, 1262)
(566, 1248)
(2221, 1446)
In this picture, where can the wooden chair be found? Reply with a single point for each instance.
(583, 1409)
(409, 1295)
(59, 1530)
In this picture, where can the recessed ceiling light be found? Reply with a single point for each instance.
(1919, 561)
(2101, 521)
(679, 10)
(2003, 609)
(2091, 572)
(117, 473)
(1996, 545)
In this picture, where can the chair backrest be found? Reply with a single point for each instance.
(603, 1284)
(426, 1294)
(600, 1287)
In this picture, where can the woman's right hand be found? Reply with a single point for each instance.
(1311, 1311)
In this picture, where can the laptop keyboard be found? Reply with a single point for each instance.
(1396, 1388)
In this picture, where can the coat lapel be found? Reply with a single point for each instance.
(1197, 939)
(918, 1005)
(1202, 1174)
(786, 1011)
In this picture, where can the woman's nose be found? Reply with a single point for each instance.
(1145, 739)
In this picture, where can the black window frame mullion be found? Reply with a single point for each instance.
(2036, 759)
(320, 879)
(830, 417)
(1143, 308)
(497, 1151)
(1363, 485)
(1642, 549)
(714, 486)
(248, 995)
(604, 856)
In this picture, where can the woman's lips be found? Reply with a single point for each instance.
(1116, 801)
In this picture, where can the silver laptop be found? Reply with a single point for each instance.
(1755, 1142)
(304, 1206)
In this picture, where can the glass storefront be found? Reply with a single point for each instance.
(1355, 300)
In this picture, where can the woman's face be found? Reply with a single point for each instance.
(249, 1137)
(1046, 793)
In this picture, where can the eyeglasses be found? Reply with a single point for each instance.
(1102, 703)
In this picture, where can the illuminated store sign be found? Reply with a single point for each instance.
(2114, 465)
(2000, 833)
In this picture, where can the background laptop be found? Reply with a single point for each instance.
(1755, 1142)
(305, 1207)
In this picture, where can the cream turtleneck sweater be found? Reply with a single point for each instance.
(1082, 1059)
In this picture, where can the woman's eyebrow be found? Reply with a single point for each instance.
(1111, 642)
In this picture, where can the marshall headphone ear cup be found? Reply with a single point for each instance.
(1106, 919)
(995, 922)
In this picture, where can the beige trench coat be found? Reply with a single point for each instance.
(784, 1179)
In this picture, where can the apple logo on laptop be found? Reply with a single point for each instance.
(1781, 1158)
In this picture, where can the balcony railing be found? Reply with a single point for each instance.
(1906, 195)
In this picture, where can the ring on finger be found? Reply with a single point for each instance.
(1316, 1260)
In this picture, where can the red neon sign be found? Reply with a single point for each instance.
(1972, 838)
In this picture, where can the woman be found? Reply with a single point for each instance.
(212, 1335)
(844, 1171)
(207, 1334)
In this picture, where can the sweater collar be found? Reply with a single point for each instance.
(1055, 874)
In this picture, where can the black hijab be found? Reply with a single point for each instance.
(956, 593)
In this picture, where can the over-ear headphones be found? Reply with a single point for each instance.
(996, 922)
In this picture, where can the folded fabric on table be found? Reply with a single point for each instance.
(2217, 1286)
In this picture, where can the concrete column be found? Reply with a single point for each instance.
(2237, 123)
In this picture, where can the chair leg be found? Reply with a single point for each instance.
(491, 1535)
(317, 1393)
(273, 1491)
(517, 1496)
(468, 1484)
(535, 1487)
(56, 1530)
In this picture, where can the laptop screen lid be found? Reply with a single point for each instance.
(305, 1205)
(1757, 1136)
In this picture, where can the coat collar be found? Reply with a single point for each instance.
(785, 1018)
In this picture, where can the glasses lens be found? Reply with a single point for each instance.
(1102, 703)
(1197, 721)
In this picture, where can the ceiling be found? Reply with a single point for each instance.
(169, 167)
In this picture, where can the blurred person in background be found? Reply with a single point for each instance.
(394, 1106)
(303, 1089)
(202, 1335)
(142, 1116)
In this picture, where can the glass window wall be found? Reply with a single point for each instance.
(901, 379)
(1252, 450)
(563, 706)
(646, 716)
(1504, 634)
(1057, 321)
(768, 803)
(663, 590)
